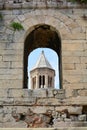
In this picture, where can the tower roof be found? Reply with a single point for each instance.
(42, 62)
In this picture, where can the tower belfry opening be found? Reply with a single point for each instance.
(42, 74)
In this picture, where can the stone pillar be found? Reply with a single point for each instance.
(37, 81)
(42, 82)
(31, 84)
(53, 82)
(46, 81)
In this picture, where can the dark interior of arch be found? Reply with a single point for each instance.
(42, 36)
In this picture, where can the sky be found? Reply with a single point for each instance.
(51, 57)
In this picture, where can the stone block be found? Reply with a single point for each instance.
(83, 59)
(68, 66)
(74, 53)
(3, 92)
(11, 52)
(73, 47)
(9, 71)
(82, 117)
(17, 65)
(7, 101)
(4, 64)
(70, 59)
(24, 101)
(0, 58)
(60, 94)
(75, 110)
(82, 92)
(49, 101)
(10, 77)
(11, 83)
(76, 100)
(72, 79)
(17, 58)
(39, 93)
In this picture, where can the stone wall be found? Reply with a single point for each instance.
(72, 29)
(72, 99)
(19, 108)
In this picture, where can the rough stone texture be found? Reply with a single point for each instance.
(66, 105)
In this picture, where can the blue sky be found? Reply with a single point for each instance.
(51, 57)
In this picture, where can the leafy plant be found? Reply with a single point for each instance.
(79, 1)
(1, 16)
(17, 26)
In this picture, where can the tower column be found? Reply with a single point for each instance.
(37, 81)
(46, 81)
(31, 84)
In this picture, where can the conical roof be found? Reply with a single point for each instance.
(42, 62)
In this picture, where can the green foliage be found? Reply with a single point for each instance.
(79, 1)
(16, 26)
(1, 16)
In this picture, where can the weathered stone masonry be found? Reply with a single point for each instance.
(72, 29)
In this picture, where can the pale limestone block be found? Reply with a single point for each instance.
(52, 21)
(73, 72)
(11, 51)
(73, 47)
(16, 46)
(3, 93)
(76, 100)
(10, 77)
(35, 20)
(75, 110)
(7, 101)
(83, 59)
(81, 22)
(24, 101)
(1, 117)
(70, 59)
(73, 25)
(75, 85)
(0, 58)
(28, 24)
(68, 91)
(39, 93)
(78, 36)
(82, 92)
(85, 52)
(17, 65)
(68, 66)
(21, 18)
(18, 93)
(9, 71)
(80, 66)
(18, 36)
(82, 117)
(49, 101)
(50, 93)
(13, 58)
(41, 109)
(74, 53)
(11, 83)
(72, 79)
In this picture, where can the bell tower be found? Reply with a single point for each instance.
(42, 74)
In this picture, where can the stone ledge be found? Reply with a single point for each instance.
(61, 128)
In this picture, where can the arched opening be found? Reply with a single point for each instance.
(43, 36)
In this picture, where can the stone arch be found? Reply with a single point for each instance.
(67, 27)
(42, 36)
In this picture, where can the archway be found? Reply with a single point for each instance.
(42, 36)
